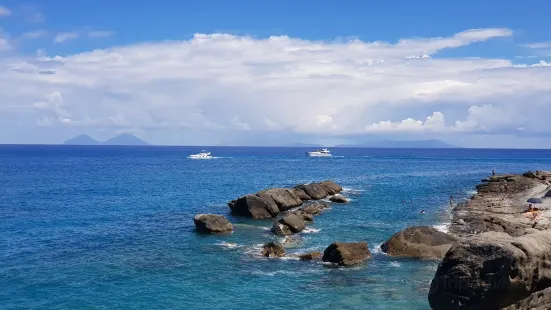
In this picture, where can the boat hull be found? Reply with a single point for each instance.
(315, 154)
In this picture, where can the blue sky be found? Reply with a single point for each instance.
(226, 74)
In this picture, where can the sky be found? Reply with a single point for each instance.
(471, 73)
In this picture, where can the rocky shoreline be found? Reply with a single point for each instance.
(495, 256)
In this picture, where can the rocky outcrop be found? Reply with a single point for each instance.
(283, 198)
(338, 198)
(492, 271)
(314, 209)
(419, 242)
(212, 223)
(273, 249)
(310, 256)
(346, 254)
(269, 203)
(253, 206)
(289, 224)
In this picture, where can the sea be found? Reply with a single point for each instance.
(106, 227)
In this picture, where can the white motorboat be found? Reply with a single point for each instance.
(202, 155)
(320, 153)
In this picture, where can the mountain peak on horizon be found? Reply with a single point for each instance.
(121, 139)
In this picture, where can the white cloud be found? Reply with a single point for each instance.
(65, 36)
(225, 83)
(539, 45)
(4, 11)
(100, 34)
(34, 34)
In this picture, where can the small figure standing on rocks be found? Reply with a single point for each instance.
(451, 201)
(493, 172)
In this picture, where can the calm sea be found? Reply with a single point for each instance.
(112, 228)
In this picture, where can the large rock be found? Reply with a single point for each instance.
(302, 195)
(492, 270)
(307, 217)
(283, 198)
(338, 198)
(540, 300)
(289, 224)
(331, 188)
(346, 254)
(314, 209)
(273, 249)
(418, 242)
(212, 223)
(314, 190)
(310, 256)
(253, 206)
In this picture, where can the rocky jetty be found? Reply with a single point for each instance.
(269, 203)
(503, 257)
(212, 223)
(346, 254)
(419, 242)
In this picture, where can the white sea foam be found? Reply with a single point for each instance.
(395, 264)
(377, 249)
(445, 228)
(229, 245)
(471, 192)
(290, 258)
(309, 230)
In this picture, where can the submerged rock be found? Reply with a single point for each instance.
(273, 249)
(492, 270)
(212, 223)
(289, 224)
(338, 198)
(253, 206)
(419, 242)
(346, 254)
(310, 256)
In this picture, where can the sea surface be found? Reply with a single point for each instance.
(111, 227)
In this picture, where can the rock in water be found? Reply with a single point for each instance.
(314, 209)
(273, 249)
(253, 206)
(310, 256)
(289, 224)
(331, 188)
(338, 198)
(283, 198)
(212, 223)
(419, 242)
(314, 190)
(346, 254)
(492, 270)
(302, 195)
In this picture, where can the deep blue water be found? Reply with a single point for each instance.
(111, 227)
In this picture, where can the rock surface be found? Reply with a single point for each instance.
(491, 271)
(269, 203)
(419, 242)
(212, 223)
(273, 249)
(289, 224)
(310, 256)
(314, 209)
(346, 254)
(338, 198)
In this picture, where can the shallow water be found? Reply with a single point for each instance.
(111, 227)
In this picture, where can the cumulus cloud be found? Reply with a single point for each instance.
(4, 11)
(223, 83)
(65, 36)
(100, 34)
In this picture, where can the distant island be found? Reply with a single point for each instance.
(122, 139)
(419, 144)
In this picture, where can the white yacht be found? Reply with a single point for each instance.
(320, 153)
(203, 155)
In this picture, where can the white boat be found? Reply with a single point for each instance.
(202, 155)
(320, 153)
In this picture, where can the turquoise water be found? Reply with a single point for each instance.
(111, 227)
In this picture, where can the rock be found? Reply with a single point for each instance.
(314, 190)
(302, 195)
(419, 242)
(314, 209)
(273, 249)
(309, 218)
(331, 188)
(289, 223)
(283, 198)
(540, 300)
(310, 256)
(492, 270)
(346, 254)
(212, 223)
(338, 198)
(253, 206)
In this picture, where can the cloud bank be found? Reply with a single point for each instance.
(215, 86)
